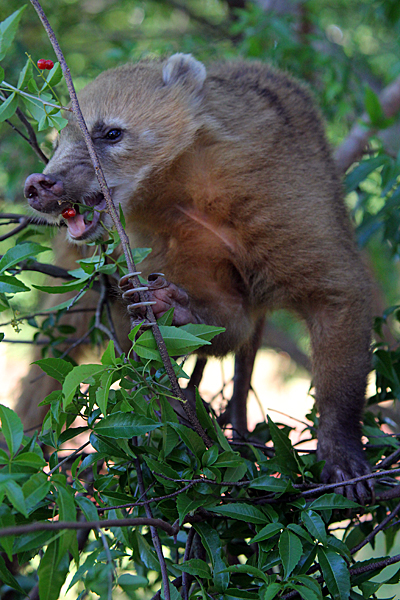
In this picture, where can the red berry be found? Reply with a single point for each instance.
(68, 213)
(43, 64)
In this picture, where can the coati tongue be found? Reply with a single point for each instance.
(76, 226)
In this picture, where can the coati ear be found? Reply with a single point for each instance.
(184, 69)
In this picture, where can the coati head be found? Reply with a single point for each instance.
(140, 117)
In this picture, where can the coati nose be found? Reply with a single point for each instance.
(39, 185)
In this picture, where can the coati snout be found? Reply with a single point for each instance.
(227, 175)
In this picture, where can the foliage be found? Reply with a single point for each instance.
(234, 520)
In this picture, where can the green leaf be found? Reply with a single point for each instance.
(55, 367)
(18, 253)
(287, 455)
(361, 171)
(314, 525)
(299, 531)
(238, 594)
(185, 505)
(11, 428)
(373, 107)
(306, 593)
(8, 107)
(271, 484)
(235, 473)
(122, 425)
(52, 572)
(62, 289)
(8, 29)
(29, 459)
(290, 550)
(35, 489)
(197, 567)
(228, 458)
(246, 568)
(77, 376)
(7, 519)
(54, 77)
(9, 579)
(25, 75)
(67, 512)
(210, 456)
(267, 532)
(206, 422)
(242, 512)
(129, 583)
(103, 391)
(88, 508)
(11, 285)
(214, 549)
(177, 340)
(272, 591)
(311, 584)
(16, 497)
(109, 358)
(192, 439)
(122, 216)
(147, 555)
(106, 447)
(331, 502)
(335, 572)
(205, 332)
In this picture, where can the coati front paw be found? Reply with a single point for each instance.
(342, 463)
(162, 294)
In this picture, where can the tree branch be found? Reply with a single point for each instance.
(106, 524)
(376, 530)
(154, 533)
(352, 148)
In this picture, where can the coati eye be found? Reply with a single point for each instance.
(113, 135)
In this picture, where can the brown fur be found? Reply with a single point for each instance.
(230, 180)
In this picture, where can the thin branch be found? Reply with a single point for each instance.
(31, 139)
(99, 311)
(68, 458)
(380, 564)
(106, 524)
(45, 314)
(353, 146)
(332, 486)
(46, 269)
(176, 390)
(145, 502)
(186, 556)
(154, 533)
(32, 136)
(376, 530)
(109, 562)
(389, 460)
(24, 222)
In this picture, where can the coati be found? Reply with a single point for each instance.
(228, 176)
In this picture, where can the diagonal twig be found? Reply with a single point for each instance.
(176, 390)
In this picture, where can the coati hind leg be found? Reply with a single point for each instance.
(340, 339)
(236, 410)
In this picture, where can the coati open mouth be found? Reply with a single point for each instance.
(84, 224)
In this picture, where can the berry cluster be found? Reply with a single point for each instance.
(68, 213)
(45, 64)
